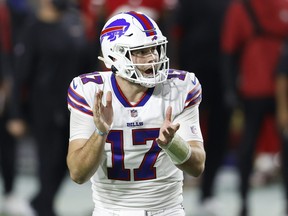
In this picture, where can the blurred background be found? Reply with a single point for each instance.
(238, 50)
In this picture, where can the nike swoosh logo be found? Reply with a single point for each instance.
(194, 81)
(74, 85)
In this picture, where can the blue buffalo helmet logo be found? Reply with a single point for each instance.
(114, 30)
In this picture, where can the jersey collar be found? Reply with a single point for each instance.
(123, 100)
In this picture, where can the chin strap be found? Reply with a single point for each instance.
(114, 69)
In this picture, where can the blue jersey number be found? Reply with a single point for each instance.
(146, 170)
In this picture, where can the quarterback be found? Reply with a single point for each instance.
(135, 129)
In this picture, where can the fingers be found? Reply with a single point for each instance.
(172, 129)
(166, 137)
(160, 142)
(168, 120)
(177, 126)
(109, 99)
(100, 108)
(168, 129)
(168, 114)
(170, 132)
(98, 103)
(98, 98)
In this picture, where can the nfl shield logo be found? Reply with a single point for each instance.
(193, 129)
(133, 113)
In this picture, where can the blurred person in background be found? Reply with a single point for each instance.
(197, 34)
(253, 34)
(282, 116)
(12, 204)
(54, 51)
(157, 10)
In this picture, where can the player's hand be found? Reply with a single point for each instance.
(168, 129)
(103, 115)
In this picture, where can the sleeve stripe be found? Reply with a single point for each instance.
(194, 94)
(195, 101)
(79, 107)
(79, 99)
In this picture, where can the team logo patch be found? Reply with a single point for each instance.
(133, 113)
(154, 38)
(115, 30)
(194, 130)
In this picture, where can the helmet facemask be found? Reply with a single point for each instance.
(151, 73)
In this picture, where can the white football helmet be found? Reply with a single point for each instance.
(131, 31)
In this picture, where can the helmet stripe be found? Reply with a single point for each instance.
(111, 29)
(145, 22)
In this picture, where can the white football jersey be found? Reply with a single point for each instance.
(135, 173)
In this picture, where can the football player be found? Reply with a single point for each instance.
(135, 129)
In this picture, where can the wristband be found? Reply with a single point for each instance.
(178, 150)
(100, 132)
